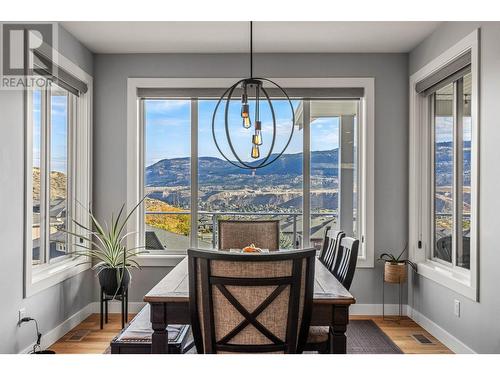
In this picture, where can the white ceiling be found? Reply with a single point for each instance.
(233, 37)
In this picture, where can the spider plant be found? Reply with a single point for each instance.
(106, 245)
(391, 258)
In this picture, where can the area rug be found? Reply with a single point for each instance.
(363, 337)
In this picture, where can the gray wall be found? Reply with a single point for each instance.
(478, 325)
(391, 134)
(54, 305)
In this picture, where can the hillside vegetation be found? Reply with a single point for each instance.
(179, 224)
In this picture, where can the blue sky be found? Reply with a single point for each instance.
(58, 146)
(167, 130)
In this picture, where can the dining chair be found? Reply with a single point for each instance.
(236, 234)
(250, 303)
(343, 269)
(330, 247)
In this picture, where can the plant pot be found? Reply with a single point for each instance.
(395, 272)
(109, 280)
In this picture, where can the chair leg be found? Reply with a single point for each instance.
(102, 303)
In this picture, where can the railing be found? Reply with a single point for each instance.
(214, 215)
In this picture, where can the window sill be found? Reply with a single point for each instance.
(160, 260)
(459, 282)
(53, 274)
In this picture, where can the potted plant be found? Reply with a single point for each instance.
(395, 268)
(106, 247)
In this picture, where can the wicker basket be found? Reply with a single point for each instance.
(395, 272)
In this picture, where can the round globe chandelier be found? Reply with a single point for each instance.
(252, 88)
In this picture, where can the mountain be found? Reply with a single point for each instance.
(58, 183)
(215, 171)
(278, 187)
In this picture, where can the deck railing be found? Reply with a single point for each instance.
(213, 217)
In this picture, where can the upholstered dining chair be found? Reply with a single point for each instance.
(330, 247)
(250, 303)
(236, 234)
(343, 269)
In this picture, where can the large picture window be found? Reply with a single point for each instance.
(226, 192)
(324, 178)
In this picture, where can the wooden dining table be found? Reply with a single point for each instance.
(169, 301)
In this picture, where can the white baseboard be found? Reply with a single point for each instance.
(56, 333)
(376, 309)
(440, 333)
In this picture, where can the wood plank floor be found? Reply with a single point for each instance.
(96, 341)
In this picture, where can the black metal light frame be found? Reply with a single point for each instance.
(226, 97)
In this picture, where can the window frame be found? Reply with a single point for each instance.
(135, 165)
(79, 170)
(421, 198)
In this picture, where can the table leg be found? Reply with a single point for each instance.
(159, 340)
(338, 339)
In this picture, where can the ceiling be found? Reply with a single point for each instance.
(233, 37)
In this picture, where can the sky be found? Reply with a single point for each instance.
(58, 139)
(167, 130)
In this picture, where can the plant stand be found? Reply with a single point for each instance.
(394, 273)
(392, 318)
(104, 306)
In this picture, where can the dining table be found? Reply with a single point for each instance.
(169, 301)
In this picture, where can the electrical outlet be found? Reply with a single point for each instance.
(21, 314)
(456, 308)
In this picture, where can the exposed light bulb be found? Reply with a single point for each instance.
(246, 122)
(255, 152)
(257, 139)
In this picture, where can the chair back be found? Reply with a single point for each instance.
(346, 261)
(236, 234)
(330, 247)
(250, 303)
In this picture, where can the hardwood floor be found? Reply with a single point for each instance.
(96, 341)
(401, 333)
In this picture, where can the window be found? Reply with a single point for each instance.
(52, 197)
(270, 193)
(167, 178)
(444, 164)
(188, 185)
(333, 167)
(57, 171)
(451, 165)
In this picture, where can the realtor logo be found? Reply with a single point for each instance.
(20, 42)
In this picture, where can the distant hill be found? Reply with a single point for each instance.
(215, 171)
(58, 183)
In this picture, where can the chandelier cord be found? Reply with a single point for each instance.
(251, 49)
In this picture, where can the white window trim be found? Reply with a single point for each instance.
(38, 278)
(134, 157)
(462, 281)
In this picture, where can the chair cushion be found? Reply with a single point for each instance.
(318, 334)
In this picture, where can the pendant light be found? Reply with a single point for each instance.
(252, 88)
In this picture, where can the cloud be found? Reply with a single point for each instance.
(162, 106)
